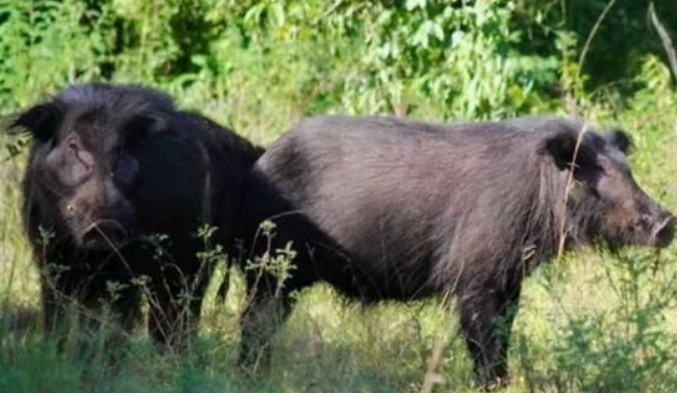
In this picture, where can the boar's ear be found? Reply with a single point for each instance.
(145, 124)
(41, 121)
(562, 147)
(620, 140)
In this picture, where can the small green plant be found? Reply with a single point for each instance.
(159, 243)
(213, 254)
(278, 262)
(625, 347)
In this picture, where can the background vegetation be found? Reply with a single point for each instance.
(592, 322)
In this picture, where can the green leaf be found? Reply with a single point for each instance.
(411, 4)
(437, 31)
(277, 11)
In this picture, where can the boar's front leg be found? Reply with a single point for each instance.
(72, 296)
(175, 307)
(57, 292)
(126, 307)
(487, 315)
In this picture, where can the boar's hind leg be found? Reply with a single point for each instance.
(265, 312)
(486, 320)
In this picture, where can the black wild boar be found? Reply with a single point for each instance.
(117, 185)
(382, 209)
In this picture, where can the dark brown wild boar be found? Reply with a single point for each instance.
(383, 208)
(117, 185)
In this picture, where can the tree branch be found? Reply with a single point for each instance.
(665, 39)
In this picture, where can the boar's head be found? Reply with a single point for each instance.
(605, 200)
(84, 163)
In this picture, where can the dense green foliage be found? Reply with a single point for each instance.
(450, 59)
(589, 323)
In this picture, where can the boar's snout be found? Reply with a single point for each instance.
(104, 234)
(664, 230)
(101, 220)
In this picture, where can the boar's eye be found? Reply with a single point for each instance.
(125, 169)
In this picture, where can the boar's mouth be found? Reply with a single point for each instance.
(664, 232)
(104, 234)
